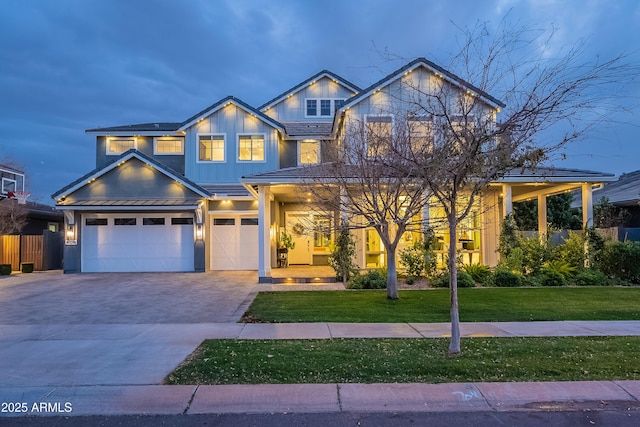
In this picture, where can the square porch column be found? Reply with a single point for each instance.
(264, 234)
(587, 205)
(507, 200)
(542, 215)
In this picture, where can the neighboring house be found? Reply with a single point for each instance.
(623, 193)
(215, 191)
(39, 241)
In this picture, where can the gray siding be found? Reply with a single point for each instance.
(288, 154)
(229, 121)
(145, 145)
(133, 180)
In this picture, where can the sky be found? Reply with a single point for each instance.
(71, 65)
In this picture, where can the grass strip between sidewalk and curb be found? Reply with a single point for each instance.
(428, 306)
(392, 360)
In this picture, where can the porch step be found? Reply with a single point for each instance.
(281, 280)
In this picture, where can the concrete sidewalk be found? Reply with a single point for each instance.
(325, 398)
(118, 369)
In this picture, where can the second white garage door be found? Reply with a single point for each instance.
(137, 242)
(234, 242)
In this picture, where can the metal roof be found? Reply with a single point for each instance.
(142, 127)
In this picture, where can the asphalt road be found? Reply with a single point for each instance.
(617, 418)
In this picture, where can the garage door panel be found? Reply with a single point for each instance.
(141, 247)
(234, 246)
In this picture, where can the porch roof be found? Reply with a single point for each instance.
(308, 129)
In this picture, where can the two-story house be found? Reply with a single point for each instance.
(217, 190)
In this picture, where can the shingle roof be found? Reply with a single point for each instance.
(308, 128)
(300, 85)
(142, 127)
(428, 64)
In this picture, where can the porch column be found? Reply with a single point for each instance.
(542, 215)
(587, 205)
(507, 200)
(344, 215)
(425, 212)
(264, 234)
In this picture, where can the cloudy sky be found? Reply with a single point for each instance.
(71, 65)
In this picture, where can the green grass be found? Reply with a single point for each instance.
(476, 305)
(410, 360)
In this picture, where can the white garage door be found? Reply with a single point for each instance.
(234, 243)
(137, 242)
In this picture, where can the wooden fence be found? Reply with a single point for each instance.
(44, 251)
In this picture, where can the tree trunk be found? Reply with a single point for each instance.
(392, 276)
(454, 345)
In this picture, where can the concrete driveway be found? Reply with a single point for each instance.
(111, 329)
(46, 298)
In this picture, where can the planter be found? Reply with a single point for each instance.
(26, 267)
(5, 269)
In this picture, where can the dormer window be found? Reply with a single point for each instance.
(118, 145)
(308, 152)
(324, 107)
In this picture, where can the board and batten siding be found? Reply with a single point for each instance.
(292, 109)
(229, 121)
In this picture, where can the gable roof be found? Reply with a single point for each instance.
(436, 69)
(226, 101)
(96, 173)
(297, 88)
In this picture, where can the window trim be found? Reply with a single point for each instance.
(264, 147)
(15, 185)
(298, 154)
(168, 138)
(119, 138)
(224, 147)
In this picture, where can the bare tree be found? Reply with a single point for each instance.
(369, 190)
(13, 216)
(472, 145)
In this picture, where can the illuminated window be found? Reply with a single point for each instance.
(117, 146)
(420, 133)
(251, 148)
(211, 148)
(168, 146)
(309, 152)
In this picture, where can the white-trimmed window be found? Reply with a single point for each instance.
(168, 145)
(322, 107)
(379, 134)
(308, 152)
(420, 128)
(118, 145)
(211, 148)
(251, 148)
(9, 185)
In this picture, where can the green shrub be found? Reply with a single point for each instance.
(621, 260)
(413, 260)
(551, 278)
(465, 280)
(342, 255)
(480, 273)
(507, 279)
(372, 279)
(560, 267)
(439, 280)
(572, 250)
(513, 261)
(535, 253)
(590, 277)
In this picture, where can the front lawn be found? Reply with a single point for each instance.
(410, 360)
(476, 305)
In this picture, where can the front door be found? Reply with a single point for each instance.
(298, 225)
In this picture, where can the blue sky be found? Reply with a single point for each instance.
(71, 65)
